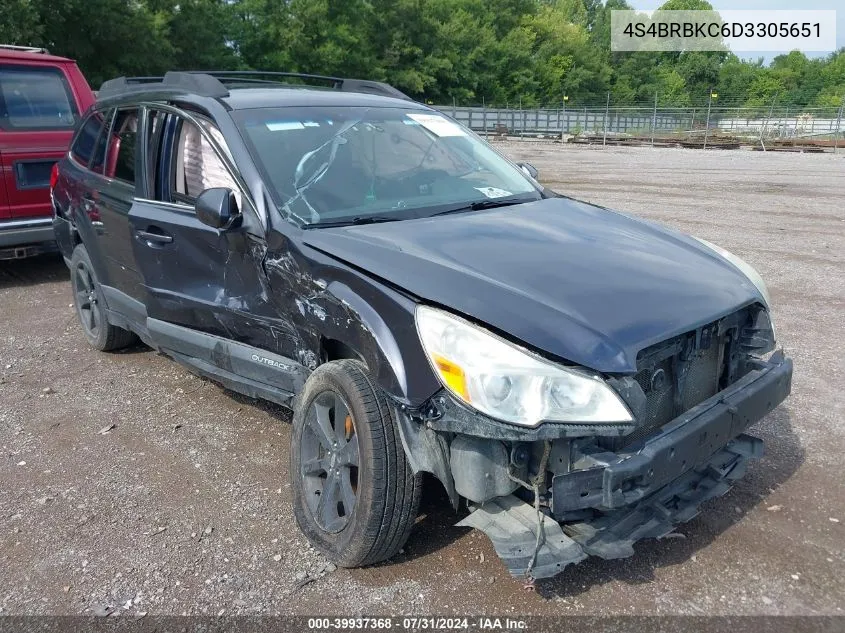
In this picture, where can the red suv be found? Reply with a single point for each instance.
(41, 99)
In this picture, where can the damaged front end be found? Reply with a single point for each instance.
(551, 495)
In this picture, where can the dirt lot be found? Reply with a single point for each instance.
(127, 483)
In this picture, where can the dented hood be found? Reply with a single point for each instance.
(570, 279)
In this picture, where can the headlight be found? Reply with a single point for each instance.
(744, 267)
(509, 383)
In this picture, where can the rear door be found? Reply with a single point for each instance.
(37, 116)
(117, 161)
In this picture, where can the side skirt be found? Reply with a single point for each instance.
(241, 368)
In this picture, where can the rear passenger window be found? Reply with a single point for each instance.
(83, 145)
(98, 161)
(35, 99)
(121, 151)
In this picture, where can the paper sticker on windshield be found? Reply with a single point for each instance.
(278, 126)
(493, 192)
(437, 124)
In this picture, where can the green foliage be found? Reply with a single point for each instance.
(469, 51)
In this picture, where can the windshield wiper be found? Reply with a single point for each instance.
(363, 219)
(480, 205)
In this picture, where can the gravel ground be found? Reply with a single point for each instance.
(128, 484)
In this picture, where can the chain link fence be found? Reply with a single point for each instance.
(710, 125)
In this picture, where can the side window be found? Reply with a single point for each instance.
(35, 99)
(120, 161)
(196, 166)
(156, 122)
(83, 145)
(98, 159)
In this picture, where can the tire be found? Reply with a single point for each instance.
(386, 491)
(90, 306)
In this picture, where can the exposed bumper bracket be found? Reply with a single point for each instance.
(511, 524)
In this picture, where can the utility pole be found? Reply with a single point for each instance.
(710, 98)
(606, 111)
(565, 120)
(654, 119)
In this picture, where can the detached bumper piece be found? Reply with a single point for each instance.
(511, 524)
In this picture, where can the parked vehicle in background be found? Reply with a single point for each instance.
(41, 99)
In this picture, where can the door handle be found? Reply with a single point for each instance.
(158, 238)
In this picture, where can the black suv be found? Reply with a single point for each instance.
(583, 379)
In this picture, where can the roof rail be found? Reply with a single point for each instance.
(213, 83)
(337, 83)
(172, 82)
(25, 49)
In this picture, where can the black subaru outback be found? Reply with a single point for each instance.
(581, 378)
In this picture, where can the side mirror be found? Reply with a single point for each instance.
(217, 207)
(528, 169)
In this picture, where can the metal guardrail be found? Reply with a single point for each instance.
(692, 127)
(662, 121)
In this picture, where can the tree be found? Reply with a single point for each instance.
(495, 51)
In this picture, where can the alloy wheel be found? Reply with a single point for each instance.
(329, 461)
(87, 302)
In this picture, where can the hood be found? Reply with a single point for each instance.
(572, 280)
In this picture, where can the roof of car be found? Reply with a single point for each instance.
(6, 53)
(240, 90)
(247, 98)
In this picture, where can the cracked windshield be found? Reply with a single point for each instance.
(332, 166)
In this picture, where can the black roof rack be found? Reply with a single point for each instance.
(216, 84)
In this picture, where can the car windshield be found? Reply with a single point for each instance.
(337, 165)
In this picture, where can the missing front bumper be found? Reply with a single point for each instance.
(640, 494)
(512, 525)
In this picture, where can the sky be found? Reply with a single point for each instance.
(838, 5)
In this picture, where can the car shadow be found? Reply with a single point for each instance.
(784, 455)
(32, 271)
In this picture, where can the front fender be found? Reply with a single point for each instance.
(381, 329)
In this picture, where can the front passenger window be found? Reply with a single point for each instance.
(197, 165)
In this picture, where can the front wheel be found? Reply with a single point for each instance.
(354, 494)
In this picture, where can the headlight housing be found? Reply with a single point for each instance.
(509, 383)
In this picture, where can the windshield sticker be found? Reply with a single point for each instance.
(493, 192)
(437, 124)
(278, 126)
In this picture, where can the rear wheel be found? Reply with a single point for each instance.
(88, 299)
(354, 494)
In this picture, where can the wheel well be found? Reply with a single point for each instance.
(333, 349)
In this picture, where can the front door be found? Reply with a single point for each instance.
(194, 275)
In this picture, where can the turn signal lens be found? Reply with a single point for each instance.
(453, 376)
